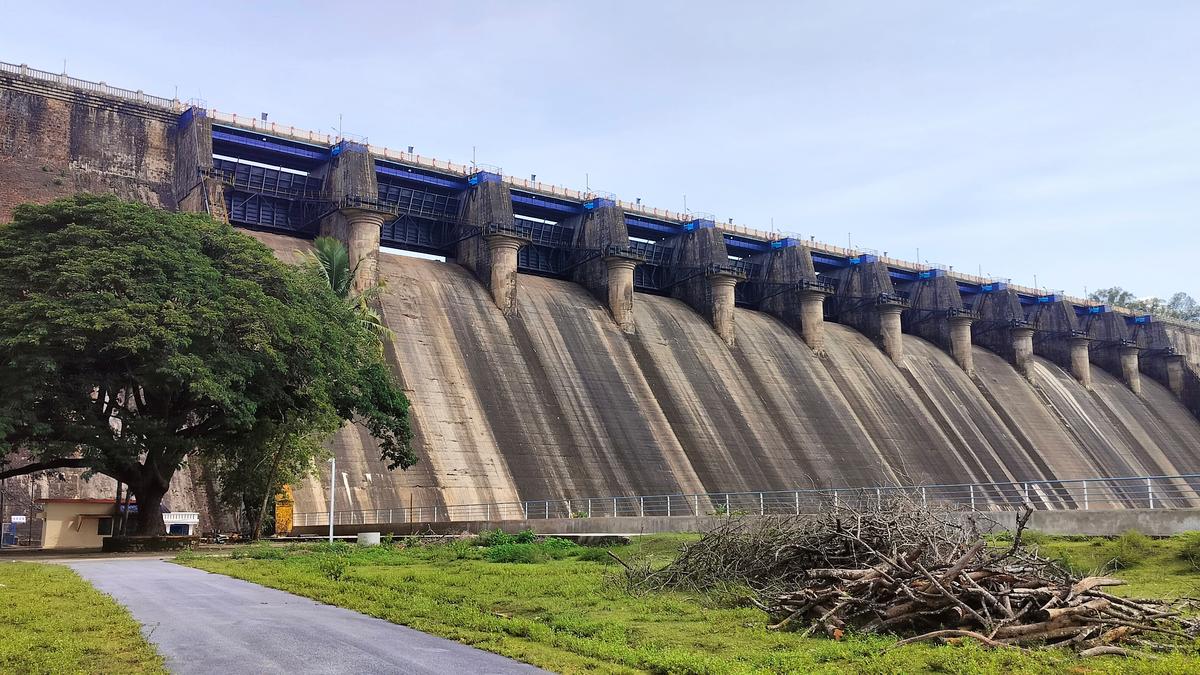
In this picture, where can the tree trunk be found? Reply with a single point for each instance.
(149, 521)
(256, 527)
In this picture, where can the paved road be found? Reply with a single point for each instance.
(209, 623)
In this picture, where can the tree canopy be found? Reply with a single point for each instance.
(1180, 306)
(132, 338)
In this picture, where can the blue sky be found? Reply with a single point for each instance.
(1060, 139)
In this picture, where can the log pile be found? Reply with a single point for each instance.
(920, 573)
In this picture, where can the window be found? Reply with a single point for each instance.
(104, 527)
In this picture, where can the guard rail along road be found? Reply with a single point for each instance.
(1133, 492)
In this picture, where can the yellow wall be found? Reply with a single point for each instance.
(65, 529)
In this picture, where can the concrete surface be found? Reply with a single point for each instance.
(209, 623)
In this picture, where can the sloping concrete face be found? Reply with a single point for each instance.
(557, 402)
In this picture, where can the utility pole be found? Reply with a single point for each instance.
(3, 492)
(332, 487)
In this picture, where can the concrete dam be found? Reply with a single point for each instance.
(574, 345)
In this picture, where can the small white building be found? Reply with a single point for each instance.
(84, 523)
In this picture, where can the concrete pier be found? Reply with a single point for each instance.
(787, 287)
(936, 313)
(601, 235)
(362, 244)
(1060, 337)
(812, 319)
(960, 342)
(487, 237)
(1022, 349)
(620, 290)
(503, 269)
(723, 305)
(866, 300)
(1001, 326)
(1081, 365)
(1129, 369)
(891, 337)
(1174, 365)
(703, 278)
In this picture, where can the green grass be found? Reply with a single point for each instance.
(569, 612)
(52, 621)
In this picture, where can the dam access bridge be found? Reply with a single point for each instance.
(744, 361)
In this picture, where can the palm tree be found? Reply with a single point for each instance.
(331, 258)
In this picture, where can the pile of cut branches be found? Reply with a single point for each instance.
(916, 572)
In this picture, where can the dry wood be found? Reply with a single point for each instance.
(902, 568)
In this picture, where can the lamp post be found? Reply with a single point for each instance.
(332, 488)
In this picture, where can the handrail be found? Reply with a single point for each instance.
(1153, 492)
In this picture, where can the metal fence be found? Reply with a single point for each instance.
(1135, 492)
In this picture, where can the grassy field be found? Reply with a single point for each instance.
(51, 621)
(565, 609)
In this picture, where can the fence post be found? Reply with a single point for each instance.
(879, 498)
(972, 497)
(547, 509)
(570, 512)
(835, 500)
(924, 500)
(489, 511)
(389, 515)
(641, 507)
(697, 509)
(589, 507)
(525, 509)
(668, 506)
(1027, 493)
(1150, 490)
(727, 513)
(1085, 496)
(614, 507)
(797, 493)
(762, 511)
(435, 514)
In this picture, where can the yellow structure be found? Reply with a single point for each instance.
(284, 505)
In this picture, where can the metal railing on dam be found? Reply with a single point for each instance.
(1135, 492)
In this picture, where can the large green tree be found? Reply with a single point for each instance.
(133, 338)
(1181, 305)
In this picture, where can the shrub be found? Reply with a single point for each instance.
(580, 514)
(1129, 550)
(332, 566)
(388, 539)
(1189, 547)
(517, 553)
(496, 537)
(525, 537)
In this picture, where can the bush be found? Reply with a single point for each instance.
(259, 552)
(517, 553)
(332, 566)
(496, 537)
(1189, 547)
(1129, 550)
(525, 537)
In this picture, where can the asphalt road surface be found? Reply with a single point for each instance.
(209, 623)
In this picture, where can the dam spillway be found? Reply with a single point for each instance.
(554, 401)
(575, 345)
